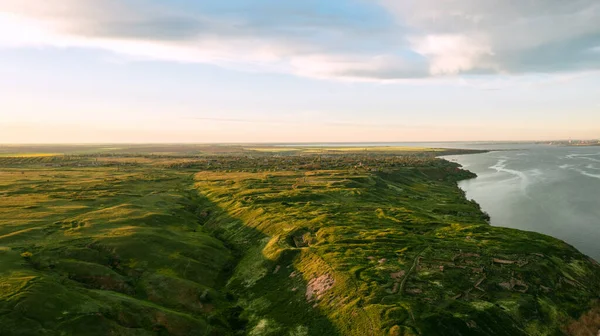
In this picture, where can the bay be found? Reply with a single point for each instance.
(553, 190)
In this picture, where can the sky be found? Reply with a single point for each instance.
(98, 71)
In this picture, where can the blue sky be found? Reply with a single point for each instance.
(291, 71)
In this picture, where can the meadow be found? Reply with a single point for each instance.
(258, 240)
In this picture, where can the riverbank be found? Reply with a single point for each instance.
(546, 189)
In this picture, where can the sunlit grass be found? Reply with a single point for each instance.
(29, 155)
(341, 149)
(373, 149)
(255, 243)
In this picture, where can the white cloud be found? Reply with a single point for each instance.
(452, 54)
(432, 37)
(75, 25)
(503, 36)
(16, 31)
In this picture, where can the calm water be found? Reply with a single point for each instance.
(548, 189)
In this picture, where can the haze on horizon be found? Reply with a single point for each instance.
(90, 71)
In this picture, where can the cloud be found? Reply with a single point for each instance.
(378, 40)
(301, 41)
(493, 36)
(451, 54)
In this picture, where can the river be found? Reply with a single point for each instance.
(553, 190)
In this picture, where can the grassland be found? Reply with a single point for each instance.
(218, 240)
(309, 149)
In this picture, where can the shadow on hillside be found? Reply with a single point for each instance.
(270, 294)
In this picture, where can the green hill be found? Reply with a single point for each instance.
(265, 243)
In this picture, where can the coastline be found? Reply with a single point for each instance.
(475, 191)
(345, 244)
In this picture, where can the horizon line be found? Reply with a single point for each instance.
(287, 142)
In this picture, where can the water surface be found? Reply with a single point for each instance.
(548, 189)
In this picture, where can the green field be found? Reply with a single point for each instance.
(257, 240)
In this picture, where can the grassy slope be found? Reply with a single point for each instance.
(406, 252)
(331, 248)
(115, 250)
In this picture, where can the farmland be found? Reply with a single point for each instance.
(259, 240)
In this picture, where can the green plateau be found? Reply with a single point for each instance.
(263, 240)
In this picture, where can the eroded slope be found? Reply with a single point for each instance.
(394, 252)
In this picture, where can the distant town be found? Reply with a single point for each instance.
(574, 142)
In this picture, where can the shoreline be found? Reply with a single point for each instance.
(566, 240)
